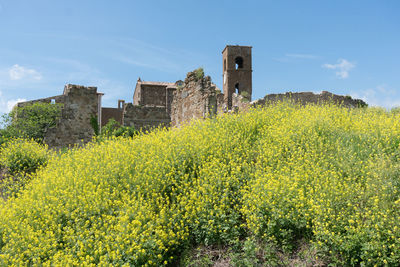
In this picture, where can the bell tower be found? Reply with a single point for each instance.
(237, 72)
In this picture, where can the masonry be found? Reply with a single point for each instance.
(165, 104)
(79, 104)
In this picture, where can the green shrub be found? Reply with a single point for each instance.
(95, 125)
(23, 156)
(395, 110)
(110, 127)
(113, 128)
(31, 121)
(285, 175)
(11, 185)
(245, 94)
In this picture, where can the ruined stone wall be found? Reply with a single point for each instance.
(137, 95)
(170, 98)
(145, 117)
(196, 99)
(309, 97)
(59, 99)
(153, 95)
(221, 104)
(80, 104)
(240, 103)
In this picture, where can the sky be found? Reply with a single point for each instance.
(345, 47)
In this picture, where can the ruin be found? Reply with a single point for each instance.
(237, 72)
(164, 104)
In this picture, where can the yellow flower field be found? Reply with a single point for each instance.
(324, 174)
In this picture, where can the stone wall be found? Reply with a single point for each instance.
(111, 113)
(142, 117)
(309, 97)
(153, 95)
(170, 97)
(196, 99)
(177, 104)
(80, 104)
(59, 99)
(240, 103)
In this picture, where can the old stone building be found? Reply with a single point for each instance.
(79, 105)
(159, 104)
(237, 72)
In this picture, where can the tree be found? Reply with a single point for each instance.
(31, 121)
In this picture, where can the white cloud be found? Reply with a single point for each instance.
(11, 103)
(380, 96)
(343, 67)
(18, 72)
(7, 105)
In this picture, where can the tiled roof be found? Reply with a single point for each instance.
(157, 83)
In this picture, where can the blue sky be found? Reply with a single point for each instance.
(346, 47)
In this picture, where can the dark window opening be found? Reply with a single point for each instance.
(239, 63)
(225, 65)
(237, 91)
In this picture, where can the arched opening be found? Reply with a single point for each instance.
(239, 63)
(224, 64)
(237, 91)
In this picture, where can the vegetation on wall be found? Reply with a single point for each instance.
(262, 183)
(199, 72)
(31, 121)
(95, 125)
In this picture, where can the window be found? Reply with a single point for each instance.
(121, 104)
(237, 89)
(239, 63)
(224, 64)
(52, 101)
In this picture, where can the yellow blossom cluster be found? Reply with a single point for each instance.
(23, 155)
(325, 174)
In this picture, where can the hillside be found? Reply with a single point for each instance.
(261, 184)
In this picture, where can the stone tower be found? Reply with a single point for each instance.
(237, 72)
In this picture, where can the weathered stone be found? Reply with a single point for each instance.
(304, 98)
(197, 99)
(164, 104)
(79, 104)
(237, 72)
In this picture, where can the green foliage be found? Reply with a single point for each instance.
(245, 94)
(111, 126)
(3, 136)
(23, 156)
(199, 73)
(95, 125)
(19, 160)
(114, 129)
(11, 185)
(31, 121)
(395, 110)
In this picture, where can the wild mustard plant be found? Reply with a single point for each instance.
(324, 174)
